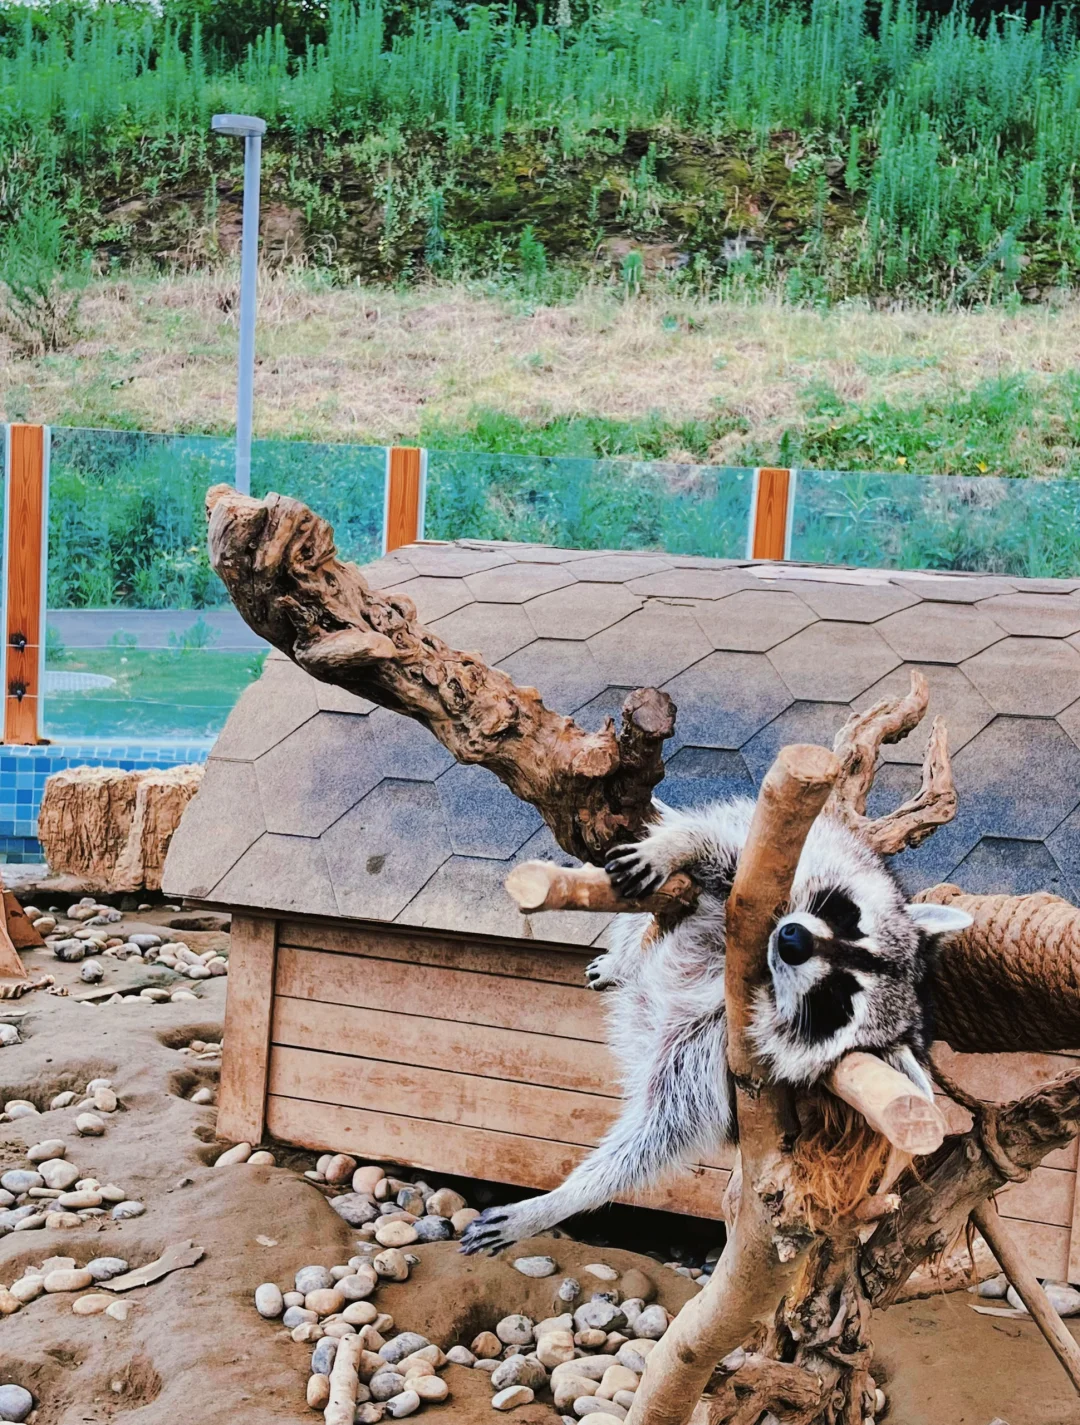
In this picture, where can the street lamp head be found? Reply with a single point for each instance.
(238, 126)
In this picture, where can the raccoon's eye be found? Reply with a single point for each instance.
(794, 943)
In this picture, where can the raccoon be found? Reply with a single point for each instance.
(849, 967)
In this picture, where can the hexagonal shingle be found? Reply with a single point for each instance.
(754, 620)
(280, 873)
(483, 816)
(580, 610)
(405, 749)
(866, 604)
(953, 588)
(649, 647)
(609, 703)
(696, 776)
(564, 672)
(217, 827)
(1003, 866)
(276, 704)
(517, 583)
(492, 630)
(383, 851)
(618, 568)
(434, 598)
(1041, 615)
(445, 561)
(833, 662)
(1020, 777)
(1064, 846)
(939, 633)
(963, 707)
(691, 583)
(1031, 677)
(316, 774)
(801, 722)
(1070, 721)
(723, 700)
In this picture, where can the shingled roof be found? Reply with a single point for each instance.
(317, 802)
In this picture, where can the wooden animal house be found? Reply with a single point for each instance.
(387, 998)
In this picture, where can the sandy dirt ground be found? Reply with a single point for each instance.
(193, 1347)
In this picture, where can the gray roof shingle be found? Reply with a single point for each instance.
(316, 802)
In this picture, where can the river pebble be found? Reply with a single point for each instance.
(313, 1279)
(516, 1330)
(16, 1402)
(238, 1154)
(71, 1279)
(124, 1210)
(536, 1266)
(103, 1269)
(407, 1403)
(268, 1299)
(89, 1125)
(58, 1174)
(20, 1180)
(93, 1305)
(512, 1397)
(396, 1234)
(355, 1208)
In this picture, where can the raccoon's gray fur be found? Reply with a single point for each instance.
(849, 968)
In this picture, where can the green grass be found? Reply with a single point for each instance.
(935, 156)
(181, 694)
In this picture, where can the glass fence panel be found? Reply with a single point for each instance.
(142, 644)
(589, 504)
(985, 524)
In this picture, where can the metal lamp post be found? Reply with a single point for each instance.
(251, 131)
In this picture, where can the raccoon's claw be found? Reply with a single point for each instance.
(597, 976)
(632, 873)
(487, 1233)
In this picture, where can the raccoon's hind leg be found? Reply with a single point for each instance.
(683, 1105)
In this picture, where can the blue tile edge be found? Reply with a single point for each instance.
(24, 771)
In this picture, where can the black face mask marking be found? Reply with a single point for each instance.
(826, 1008)
(838, 911)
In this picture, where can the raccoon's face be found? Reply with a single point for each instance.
(846, 976)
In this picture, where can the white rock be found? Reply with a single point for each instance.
(58, 1174)
(8, 1035)
(512, 1397)
(89, 1125)
(994, 1288)
(536, 1266)
(123, 1210)
(604, 1273)
(269, 1301)
(515, 1330)
(239, 1154)
(407, 1403)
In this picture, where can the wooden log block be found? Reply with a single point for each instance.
(112, 828)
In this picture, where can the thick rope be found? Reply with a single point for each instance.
(1011, 982)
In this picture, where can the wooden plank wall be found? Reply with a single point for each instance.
(489, 1061)
(25, 622)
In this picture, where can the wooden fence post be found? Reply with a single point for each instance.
(26, 504)
(404, 515)
(770, 514)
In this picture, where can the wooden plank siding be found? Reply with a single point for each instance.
(487, 1059)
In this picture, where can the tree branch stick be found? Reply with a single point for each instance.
(277, 560)
(889, 1102)
(770, 1236)
(1029, 1289)
(542, 885)
(344, 1382)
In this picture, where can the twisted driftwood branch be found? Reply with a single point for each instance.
(770, 1236)
(277, 560)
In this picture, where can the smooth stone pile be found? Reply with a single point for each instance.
(386, 1376)
(591, 1359)
(52, 1193)
(58, 1275)
(244, 1153)
(393, 1212)
(92, 934)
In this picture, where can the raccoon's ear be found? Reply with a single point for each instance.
(939, 919)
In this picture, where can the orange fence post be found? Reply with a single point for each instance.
(770, 516)
(404, 497)
(25, 506)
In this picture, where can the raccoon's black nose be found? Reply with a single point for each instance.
(794, 943)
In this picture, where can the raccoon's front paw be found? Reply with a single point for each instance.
(490, 1232)
(598, 974)
(633, 872)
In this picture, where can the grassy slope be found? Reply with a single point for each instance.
(661, 375)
